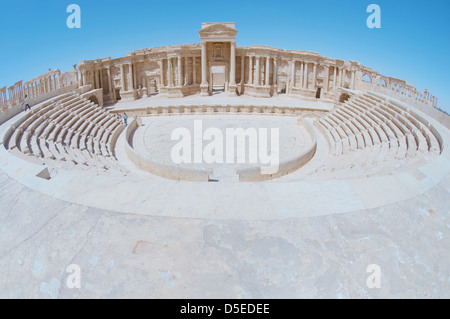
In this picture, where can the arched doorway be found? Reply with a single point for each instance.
(344, 97)
(93, 99)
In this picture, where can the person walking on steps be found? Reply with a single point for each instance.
(125, 119)
(26, 103)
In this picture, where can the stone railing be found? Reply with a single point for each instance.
(396, 88)
(39, 89)
(43, 85)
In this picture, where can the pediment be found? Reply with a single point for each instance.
(215, 30)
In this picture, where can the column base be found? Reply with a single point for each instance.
(204, 89)
(232, 89)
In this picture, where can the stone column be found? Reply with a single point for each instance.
(169, 73)
(327, 77)
(305, 78)
(233, 64)
(194, 71)
(275, 72)
(185, 70)
(293, 74)
(258, 71)
(80, 79)
(267, 71)
(250, 70)
(314, 76)
(134, 74)
(301, 75)
(232, 87)
(96, 84)
(11, 95)
(335, 77)
(100, 74)
(108, 69)
(111, 83)
(161, 72)
(179, 82)
(242, 70)
(344, 75)
(122, 69)
(275, 76)
(204, 85)
(352, 85)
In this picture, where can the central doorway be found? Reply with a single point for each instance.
(218, 80)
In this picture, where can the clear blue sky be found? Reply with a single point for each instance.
(413, 43)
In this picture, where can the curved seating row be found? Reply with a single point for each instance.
(375, 130)
(70, 129)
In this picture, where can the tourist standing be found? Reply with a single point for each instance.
(26, 103)
(125, 119)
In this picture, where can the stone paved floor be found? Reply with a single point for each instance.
(126, 255)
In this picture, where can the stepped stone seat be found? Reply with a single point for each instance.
(343, 137)
(82, 142)
(87, 110)
(95, 117)
(96, 147)
(35, 149)
(329, 138)
(335, 135)
(55, 153)
(353, 143)
(48, 129)
(71, 156)
(103, 150)
(412, 145)
(52, 135)
(341, 124)
(90, 145)
(112, 138)
(47, 150)
(80, 156)
(74, 142)
(359, 122)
